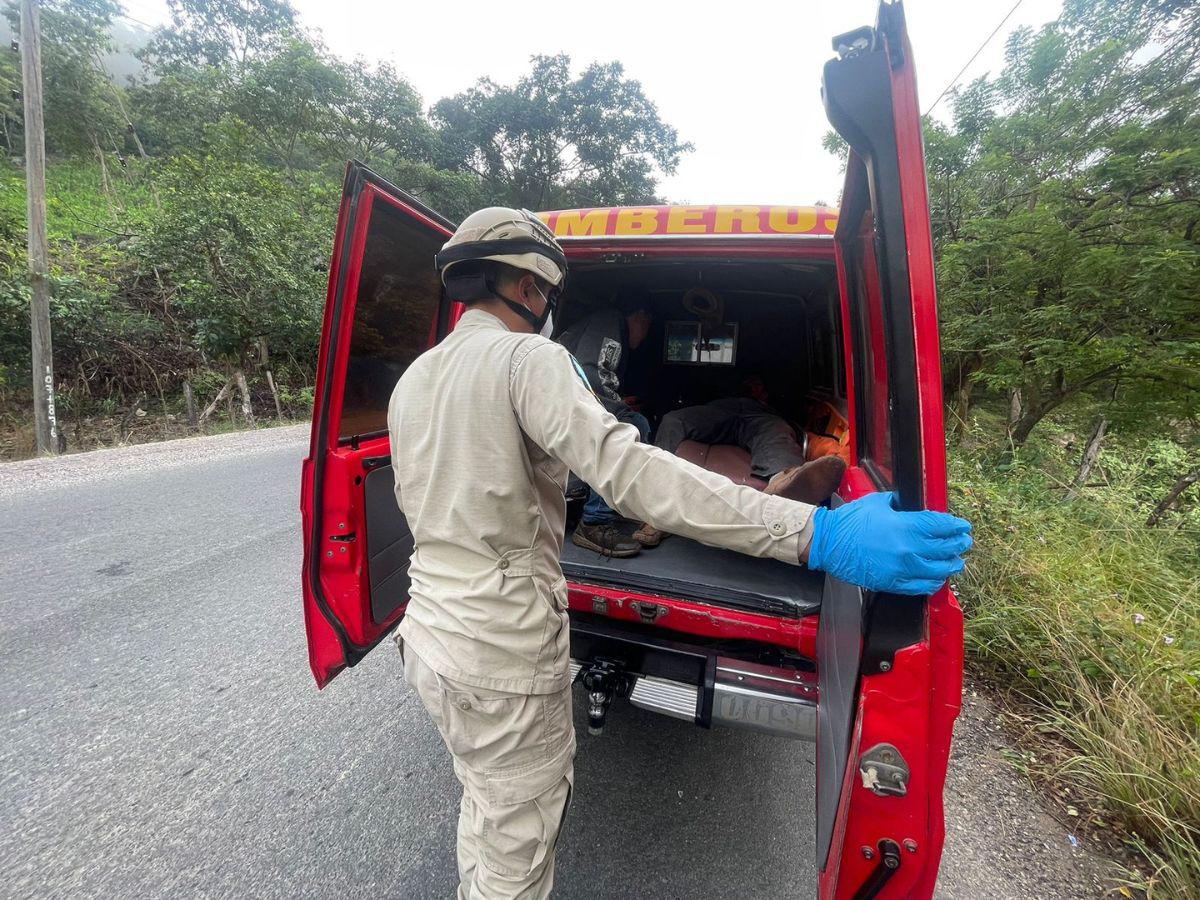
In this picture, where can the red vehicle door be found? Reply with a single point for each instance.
(384, 307)
(890, 667)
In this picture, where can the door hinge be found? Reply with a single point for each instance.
(884, 771)
(852, 43)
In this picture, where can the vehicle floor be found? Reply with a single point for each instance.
(689, 570)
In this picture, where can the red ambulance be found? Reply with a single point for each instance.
(835, 312)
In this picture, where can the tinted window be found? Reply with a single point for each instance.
(825, 372)
(396, 310)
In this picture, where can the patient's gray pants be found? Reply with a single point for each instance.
(768, 439)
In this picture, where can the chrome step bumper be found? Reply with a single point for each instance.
(759, 698)
(671, 698)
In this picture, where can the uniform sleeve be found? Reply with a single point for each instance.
(558, 411)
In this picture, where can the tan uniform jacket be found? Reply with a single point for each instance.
(484, 428)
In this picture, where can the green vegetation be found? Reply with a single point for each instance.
(1093, 619)
(191, 211)
(1065, 204)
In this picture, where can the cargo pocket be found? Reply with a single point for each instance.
(519, 837)
(475, 720)
(558, 722)
(559, 592)
(566, 807)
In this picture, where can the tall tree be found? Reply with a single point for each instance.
(287, 98)
(82, 112)
(195, 63)
(378, 112)
(553, 139)
(217, 33)
(1065, 203)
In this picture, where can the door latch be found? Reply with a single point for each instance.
(649, 612)
(884, 771)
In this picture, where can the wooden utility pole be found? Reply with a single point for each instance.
(35, 203)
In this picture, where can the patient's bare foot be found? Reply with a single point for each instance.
(648, 535)
(814, 482)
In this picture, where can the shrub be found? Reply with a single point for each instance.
(1092, 617)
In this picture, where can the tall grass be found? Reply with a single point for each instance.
(1093, 618)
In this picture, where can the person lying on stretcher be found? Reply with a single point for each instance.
(748, 421)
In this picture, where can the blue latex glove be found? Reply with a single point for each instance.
(870, 543)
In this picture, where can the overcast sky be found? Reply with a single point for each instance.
(739, 80)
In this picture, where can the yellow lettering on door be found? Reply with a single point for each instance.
(686, 220)
(793, 219)
(745, 216)
(637, 220)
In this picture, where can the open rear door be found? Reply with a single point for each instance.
(384, 307)
(890, 667)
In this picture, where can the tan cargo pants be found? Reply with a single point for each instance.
(514, 755)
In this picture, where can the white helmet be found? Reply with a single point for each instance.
(512, 236)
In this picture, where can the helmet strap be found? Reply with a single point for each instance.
(472, 288)
(538, 322)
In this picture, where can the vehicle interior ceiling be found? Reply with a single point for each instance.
(787, 334)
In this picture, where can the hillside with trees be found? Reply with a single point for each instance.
(191, 213)
(192, 207)
(1066, 218)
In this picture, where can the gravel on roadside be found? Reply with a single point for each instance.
(95, 465)
(1001, 842)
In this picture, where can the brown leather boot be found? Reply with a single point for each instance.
(607, 539)
(648, 535)
(814, 482)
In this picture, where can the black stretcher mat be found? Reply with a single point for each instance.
(682, 568)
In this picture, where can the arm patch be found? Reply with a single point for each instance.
(582, 377)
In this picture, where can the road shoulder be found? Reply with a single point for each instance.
(1001, 840)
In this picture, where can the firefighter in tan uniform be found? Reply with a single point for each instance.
(484, 428)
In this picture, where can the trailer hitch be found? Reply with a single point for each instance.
(602, 679)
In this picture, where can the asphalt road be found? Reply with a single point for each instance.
(162, 735)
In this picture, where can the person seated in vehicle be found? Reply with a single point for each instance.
(601, 343)
(750, 422)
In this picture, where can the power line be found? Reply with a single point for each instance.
(129, 18)
(147, 10)
(974, 55)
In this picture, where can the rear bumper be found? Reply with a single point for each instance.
(694, 683)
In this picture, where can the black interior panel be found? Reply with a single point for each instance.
(839, 649)
(691, 571)
(389, 544)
